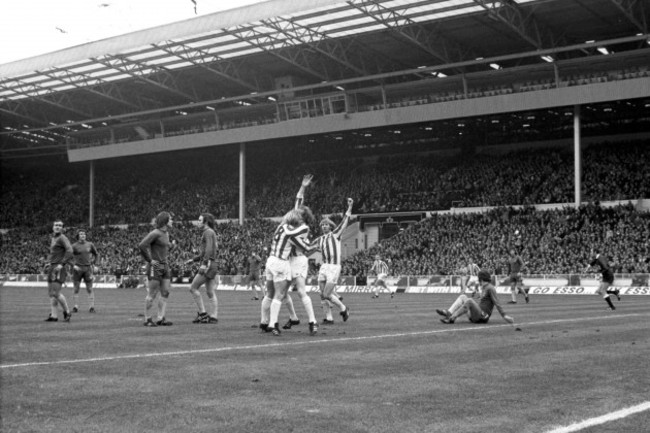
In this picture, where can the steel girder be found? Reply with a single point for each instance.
(430, 41)
(34, 91)
(151, 74)
(223, 68)
(94, 85)
(525, 24)
(346, 51)
(634, 11)
(283, 48)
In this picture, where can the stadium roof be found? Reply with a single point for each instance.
(241, 53)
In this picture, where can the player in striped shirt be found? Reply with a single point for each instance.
(292, 232)
(207, 271)
(330, 246)
(300, 265)
(380, 268)
(469, 279)
(60, 256)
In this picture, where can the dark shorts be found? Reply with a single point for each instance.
(158, 273)
(54, 276)
(514, 279)
(608, 277)
(84, 273)
(254, 277)
(210, 273)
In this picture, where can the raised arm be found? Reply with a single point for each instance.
(300, 197)
(346, 219)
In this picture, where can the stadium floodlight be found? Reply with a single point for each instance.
(271, 98)
(207, 107)
(548, 59)
(340, 88)
(603, 50)
(495, 66)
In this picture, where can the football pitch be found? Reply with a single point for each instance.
(392, 367)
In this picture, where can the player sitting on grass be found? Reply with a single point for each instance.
(476, 312)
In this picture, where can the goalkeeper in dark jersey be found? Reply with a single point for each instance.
(476, 312)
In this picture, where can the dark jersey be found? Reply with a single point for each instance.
(155, 246)
(208, 247)
(60, 250)
(603, 263)
(489, 300)
(83, 253)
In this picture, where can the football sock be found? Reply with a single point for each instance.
(275, 312)
(457, 304)
(609, 302)
(292, 311)
(215, 305)
(91, 299)
(338, 303)
(53, 310)
(306, 301)
(148, 303)
(327, 308)
(265, 310)
(75, 300)
(63, 302)
(198, 299)
(162, 307)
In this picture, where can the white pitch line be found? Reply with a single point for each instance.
(603, 418)
(313, 341)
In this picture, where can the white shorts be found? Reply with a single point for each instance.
(299, 266)
(382, 277)
(473, 279)
(277, 270)
(329, 273)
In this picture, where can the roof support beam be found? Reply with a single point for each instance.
(634, 11)
(525, 24)
(49, 96)
(433, 43)
(150, 74)
(94, 85)
(223, 68)
(282, 48)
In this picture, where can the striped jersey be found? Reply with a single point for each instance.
(379, 267)
(286, 238)
(473, 269)
(330, 244)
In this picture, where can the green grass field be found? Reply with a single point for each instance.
(393, 367)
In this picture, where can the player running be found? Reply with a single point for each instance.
(607, 278)
(380, 268)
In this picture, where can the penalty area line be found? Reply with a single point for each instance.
(446, 330)
(612, 416)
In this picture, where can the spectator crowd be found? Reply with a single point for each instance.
(129, 191)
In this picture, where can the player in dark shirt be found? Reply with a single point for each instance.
(155, 249)
(515, 263)
(254, 265)
(85, 256)
(601, 261)
(476, 312)
(60, 256)
(207, 273)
